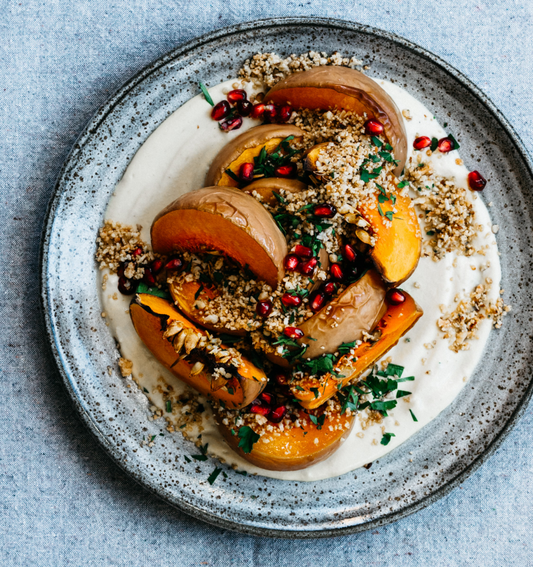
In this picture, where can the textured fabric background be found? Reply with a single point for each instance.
(62, 501)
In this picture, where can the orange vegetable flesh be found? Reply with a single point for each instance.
(247, 157)
(298, 447)
(150, 316)
(200, 231)
(185, 296)
(398, 243)
(397, 320)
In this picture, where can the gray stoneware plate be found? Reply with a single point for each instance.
(445, 452)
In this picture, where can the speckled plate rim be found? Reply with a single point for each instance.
(95, 122)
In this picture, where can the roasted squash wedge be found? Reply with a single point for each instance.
(224, 219)
(267, 186)
(398, 242)
(152, 316)
(246, 147)
(296, 448)
(397, 320)
(332, 87)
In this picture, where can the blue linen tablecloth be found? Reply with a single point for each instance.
(62, 501)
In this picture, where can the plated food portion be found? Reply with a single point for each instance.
(273, 270)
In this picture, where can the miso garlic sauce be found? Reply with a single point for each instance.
(175, 159)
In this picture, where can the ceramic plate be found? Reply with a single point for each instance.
(445, 452)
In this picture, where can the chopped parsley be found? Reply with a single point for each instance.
(385, 440)
(214, 475)
(434, 144)
(403, 184)
(143, 288)
(456, 145)
(169, 406)
(247, 438)
(413, 415)
(203, 451)
(318, 421)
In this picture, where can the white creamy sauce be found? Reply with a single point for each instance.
(175, 159)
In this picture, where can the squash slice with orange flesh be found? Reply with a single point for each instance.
(246, 147)
(227, 220)
(185, 296)
(152, 315)
(397, 320)
(296, 448)
(342, 88)
(267, 186)
(398, 241)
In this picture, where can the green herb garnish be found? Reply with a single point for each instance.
(247, 438)
(413, 415)
(206, 93)
(213, 476)
(169, 406)
(385, 440)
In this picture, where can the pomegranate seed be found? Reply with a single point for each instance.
(148, 277)
(291, 262)
(336, 271)
(236, 96)
(325, 211)
(157, 266)
(263, 410)
(348, 253)
(285, 113)
(277, 414)
(137, 252)
(266, 398)
(374, 127)
(120, 270)
(288, 170)
(293, 332)
(316, 301)
(421, 143)
(271, 112)
(125, 286)
(174, 264)
(329, 288)
(220, 110)
(244, 107)
(303, 251)
(308, 268)
(395, 296)
(231, 124)
(476, 181)
(258, 110)
(264, 308)
(246, 172)
(445, 145)
(281, 379)
(290, 300)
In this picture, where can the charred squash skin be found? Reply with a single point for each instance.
(332, 87)
(296, 448)
(151, 315)
(397, 320)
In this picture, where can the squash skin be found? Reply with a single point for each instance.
(150, 316)
(299, 443)
(266, 187)
(224, 219)
(330, 87)
(356, 310)
(397, 321)
(244, 148)
(398, 243)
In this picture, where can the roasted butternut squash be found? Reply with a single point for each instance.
(224, 219)
(267, 186)
(152, 316)
(398, 319)
(332, 87)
